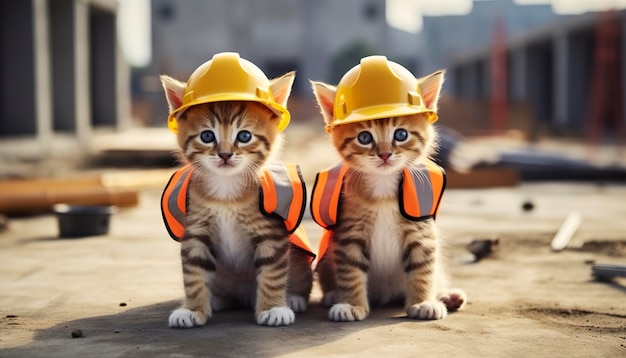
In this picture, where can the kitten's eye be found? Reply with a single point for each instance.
(207, 136)
(400, 135)
(365, 138)
(244, 136)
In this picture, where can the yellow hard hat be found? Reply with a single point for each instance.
(228, 77)
(377, 88)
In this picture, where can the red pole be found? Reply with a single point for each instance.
(605, 92)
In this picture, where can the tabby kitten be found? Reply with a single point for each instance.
(232, 254)
(377, 256)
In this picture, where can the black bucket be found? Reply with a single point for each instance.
(82, 221)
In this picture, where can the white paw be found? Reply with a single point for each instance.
(184, 318)
(329, 299)
(345, 312)
(297, 303)
(454, 299)
(429, 310)
(277, 316)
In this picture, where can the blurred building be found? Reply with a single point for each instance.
(61, 74)
(320, 39)
(445, 37)
(569, 73)
(509, 65)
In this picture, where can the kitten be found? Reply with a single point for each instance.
(232, 254)
(377, 256)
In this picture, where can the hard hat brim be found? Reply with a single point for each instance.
(279, 110)
(378, 112)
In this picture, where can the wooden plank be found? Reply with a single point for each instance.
(482, 178)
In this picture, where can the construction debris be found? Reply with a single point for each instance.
(483, 248)
(566, 231)
(608, 271)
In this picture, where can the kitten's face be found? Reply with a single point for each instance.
(228, 138)
(385, 146)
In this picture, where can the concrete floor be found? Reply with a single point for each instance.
(119, 289)
(523, 301)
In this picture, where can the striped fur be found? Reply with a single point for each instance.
(378, 256)
(232, 255)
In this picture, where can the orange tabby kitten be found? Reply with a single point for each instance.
(377, 255)
(232, 254)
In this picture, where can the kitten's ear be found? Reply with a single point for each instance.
(281, 87)
(174, 91)
(431, 88)
(325, 96)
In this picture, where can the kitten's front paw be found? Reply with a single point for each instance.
(428, 310)
(329, 298)
(184, 318)
(454, 299)
(345, 312)
(297, 303)
(277, 316)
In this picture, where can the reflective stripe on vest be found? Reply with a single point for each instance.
(420, 192)
(282, 188)
(325, 196)
(282, 194)
(174, 202)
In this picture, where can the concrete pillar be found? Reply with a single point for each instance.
(122, 91)
(42, 70)
(82, 73)
(561, 79)
(313, 62)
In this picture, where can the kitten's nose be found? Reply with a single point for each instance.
(225, 156)
(384, 156)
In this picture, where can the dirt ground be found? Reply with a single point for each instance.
(524, 299)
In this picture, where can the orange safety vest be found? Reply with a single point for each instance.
(419, 196)
(282, 195)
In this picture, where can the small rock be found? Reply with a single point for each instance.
(483, 248)
(77, 333)
(528, 205)
(123, 304)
